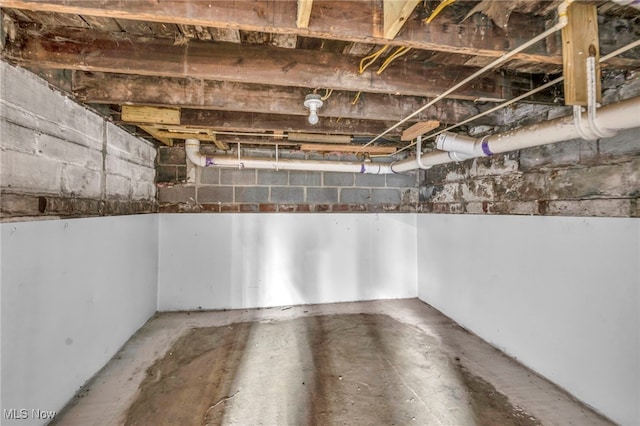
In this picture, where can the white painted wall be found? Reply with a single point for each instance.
(216, 261)
(72, 293)
(561, 294)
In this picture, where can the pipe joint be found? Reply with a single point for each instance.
(463, 146)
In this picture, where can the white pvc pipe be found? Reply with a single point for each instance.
(618, 116)
(562, 22)
(192, 148)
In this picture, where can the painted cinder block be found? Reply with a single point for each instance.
(355, 195)
(300, 178)
(287, 194)
(251, 194)
(385, 196)
(273, 177)
(337, 179)
(237, 177)
(322, 195)
(215, 194)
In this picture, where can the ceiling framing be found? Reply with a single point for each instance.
(238, 71)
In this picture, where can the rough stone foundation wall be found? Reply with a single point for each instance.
(214, 189)
(572, 178)
(58, 158)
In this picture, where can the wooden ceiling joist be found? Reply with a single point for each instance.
(353, 21)
(254, 122)
(251, 122)
(108, 52)
(106, 88)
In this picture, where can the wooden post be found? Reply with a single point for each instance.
(579, 41)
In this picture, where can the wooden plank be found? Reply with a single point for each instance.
(396, 13)
(103, 88)
(94, 51)
(167, 134)
(317, 138)
(156, 134)
(135, 27)
(341, 20)
(580, 37)
(161, 29)
(253, 140)
(304, 13)
(102, 24)
(419, 129)
(261, 122)
(151, 115)
(220, 144)
(348, 148)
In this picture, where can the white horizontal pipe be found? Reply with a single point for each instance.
(192, 148)
(453, 142)
(618, 116)
(562, 22)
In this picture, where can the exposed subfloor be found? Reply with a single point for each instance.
(381, 362)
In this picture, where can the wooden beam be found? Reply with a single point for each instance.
(147, 114)
(95, 51)
(106, 88)
(341, 20)
(304, 13)
(419, 129)
(579, 41)
(317, 138)
(177, 133)
(169, 133)
(156, 134)
(257, 122)
(348, 148)
(396, 14)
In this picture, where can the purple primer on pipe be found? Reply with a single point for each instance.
(362, 168)
(485, 147)
(209, 162)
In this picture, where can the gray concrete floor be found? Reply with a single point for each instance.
(380, 362)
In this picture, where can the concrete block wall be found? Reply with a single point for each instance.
(234, 190)
(59, 158)
(571, 178)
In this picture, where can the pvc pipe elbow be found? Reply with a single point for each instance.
(192, 149)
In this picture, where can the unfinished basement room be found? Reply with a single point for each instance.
(313, 212)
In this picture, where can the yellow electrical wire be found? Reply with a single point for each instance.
(399, 52)
(327, 93)
(438, 9)
(356, 99)
(372, 58)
